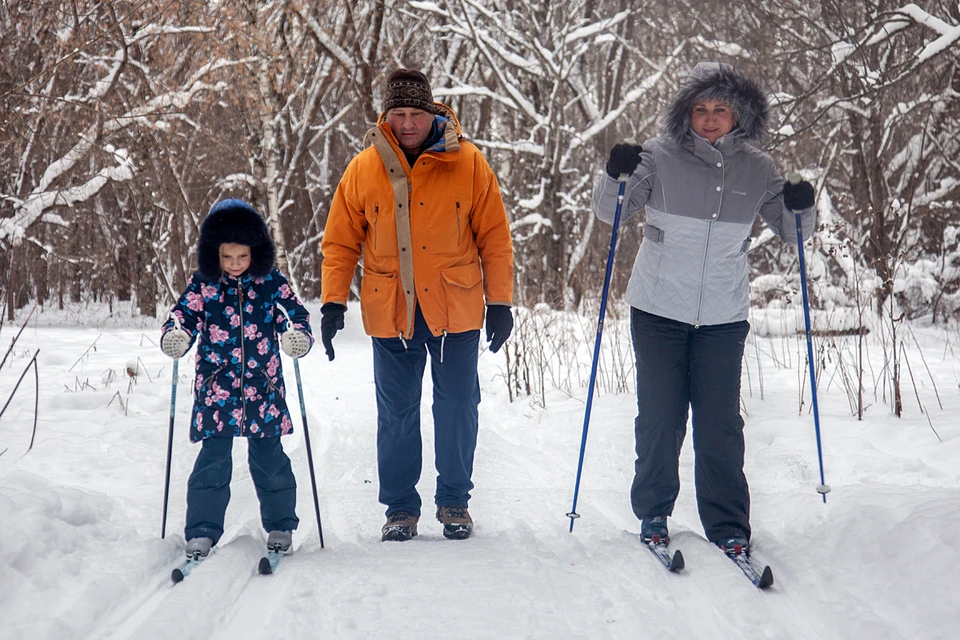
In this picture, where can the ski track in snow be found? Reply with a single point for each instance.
(847, 569)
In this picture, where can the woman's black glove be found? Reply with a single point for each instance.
(624, 158)
(799, 196)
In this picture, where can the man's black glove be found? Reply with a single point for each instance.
(330, 322)
(798, 196)
(624, 158)
(499, 325)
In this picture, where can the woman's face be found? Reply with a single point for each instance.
(234, 258)
(711, 119)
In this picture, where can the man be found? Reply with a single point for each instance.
(424, 209)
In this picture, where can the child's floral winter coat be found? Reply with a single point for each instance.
(239, 388)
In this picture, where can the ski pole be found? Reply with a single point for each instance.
(573, 515)
(173, 409)
(306, 433)
(822, 489)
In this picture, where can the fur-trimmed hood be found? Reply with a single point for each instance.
(719, 81)
(237, 222)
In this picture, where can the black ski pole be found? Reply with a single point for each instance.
(173, 411)
(166, 482)
(306, 436)
(573, 515)
(823, 489)
(306, 433)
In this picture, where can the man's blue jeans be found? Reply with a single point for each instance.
(398, 373)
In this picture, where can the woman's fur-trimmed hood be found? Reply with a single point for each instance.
(234, 221)
(719, 81)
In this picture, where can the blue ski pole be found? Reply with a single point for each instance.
(823, 489)
(573, 515)
(306, 434)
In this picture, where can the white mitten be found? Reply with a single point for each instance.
(294, 343)
(175, 343)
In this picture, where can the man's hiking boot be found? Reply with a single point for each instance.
(400, 526)
(457, 524)
(654, 530)
(734, 546)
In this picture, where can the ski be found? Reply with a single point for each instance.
(760, 577)
(268, 563)
(181, 572)
(662, 553)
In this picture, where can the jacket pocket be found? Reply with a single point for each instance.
(440, 221)
(207, 381)
(652, 233)
(379, 306)
(464, 297)
(381, 230)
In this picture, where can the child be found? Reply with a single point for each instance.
(231, 307)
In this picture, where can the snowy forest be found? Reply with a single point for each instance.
(123, 122)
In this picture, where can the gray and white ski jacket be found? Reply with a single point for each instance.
(701, 202)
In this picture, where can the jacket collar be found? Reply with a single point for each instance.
(445, 140)
(728, 145)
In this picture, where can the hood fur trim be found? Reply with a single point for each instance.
(719, 81)
(237, 222)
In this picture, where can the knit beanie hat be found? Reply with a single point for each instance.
(234, 221)
(408, 88)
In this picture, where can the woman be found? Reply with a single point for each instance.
(703, 186)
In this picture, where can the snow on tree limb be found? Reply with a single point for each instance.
(44, 195)
(13, 230)
(913, 14)
(326, 41)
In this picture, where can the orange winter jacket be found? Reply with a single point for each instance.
(435, 234)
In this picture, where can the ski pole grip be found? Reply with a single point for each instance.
(794, 178)
(623, 177)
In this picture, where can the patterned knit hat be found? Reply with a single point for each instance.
(408, 88)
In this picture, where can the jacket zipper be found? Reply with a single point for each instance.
(270, 384)
(376, 221)
(706, 246)
(458, 222)
(243, 360)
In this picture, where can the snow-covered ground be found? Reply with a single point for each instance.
(81, 554)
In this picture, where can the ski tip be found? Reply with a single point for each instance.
(766, 579)
(264, 567)
(677, 563)
(177, 576)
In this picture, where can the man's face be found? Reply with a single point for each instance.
(711, 119)
(410, 126)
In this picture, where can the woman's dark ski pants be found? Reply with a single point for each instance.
(208, 489)
(681, 366)
(398, 368)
